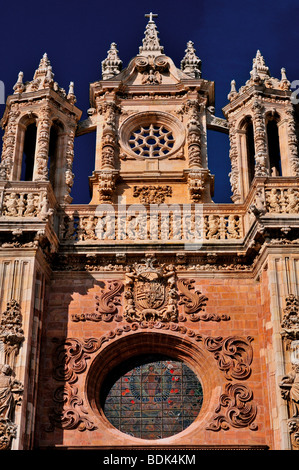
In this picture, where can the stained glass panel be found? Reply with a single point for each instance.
(152, 397)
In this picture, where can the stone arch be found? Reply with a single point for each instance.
(25, 148)
(172, 344)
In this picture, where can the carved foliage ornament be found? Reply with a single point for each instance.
(107, 304)
(240, 410)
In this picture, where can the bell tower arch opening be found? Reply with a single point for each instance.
(273, 144)
(27, 163)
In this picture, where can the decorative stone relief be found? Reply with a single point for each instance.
(280, 200)
(236, 408)
(290, 322)
(11, 332)
(106, 304)
(232, 354)
(234, 175)
(106, 185)
(195, 302)
(260, 139)
(9, 142)
(152, 194)
(26, 204)
(109, 111)
(69, 175)
(150, 293)
(42, 142)
(289, 384)
(292, 140)
(69, 411)
(192, 107)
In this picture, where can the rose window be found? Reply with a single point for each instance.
(152, 397)
(152, 140)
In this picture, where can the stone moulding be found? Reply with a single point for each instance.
(233, 356)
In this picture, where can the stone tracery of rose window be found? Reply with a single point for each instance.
(151, 140)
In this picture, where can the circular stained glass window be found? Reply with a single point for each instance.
(152, 397)
(153, 140)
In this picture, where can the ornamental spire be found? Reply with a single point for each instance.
(191, 64)
(259, 68)
(151, 42)
(44, 69)
(112, 65)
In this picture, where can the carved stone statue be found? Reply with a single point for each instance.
(290, 389)
(8, 385)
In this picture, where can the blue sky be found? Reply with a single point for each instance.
(76, 36)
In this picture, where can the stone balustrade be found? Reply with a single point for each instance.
(132, 223)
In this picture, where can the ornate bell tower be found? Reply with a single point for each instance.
(262, 129)
(150, 120)
(40, 120)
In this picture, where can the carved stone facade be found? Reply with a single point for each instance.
(151, 266)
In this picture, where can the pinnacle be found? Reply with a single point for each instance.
(151, 41)
(191, 64)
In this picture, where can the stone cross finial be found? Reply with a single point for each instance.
(151, 43)
(151, 16)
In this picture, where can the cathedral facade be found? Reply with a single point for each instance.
(152, 317)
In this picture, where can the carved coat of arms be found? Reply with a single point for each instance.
(150, 292)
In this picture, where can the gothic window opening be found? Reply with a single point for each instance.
(28, 153)
(273, 148)
(250, 149)
(152, 397)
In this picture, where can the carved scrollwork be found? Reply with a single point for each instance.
(69, 411)
(106, 304)
(240, 410)
(194, 302)
(71, 358)
(233, 354)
